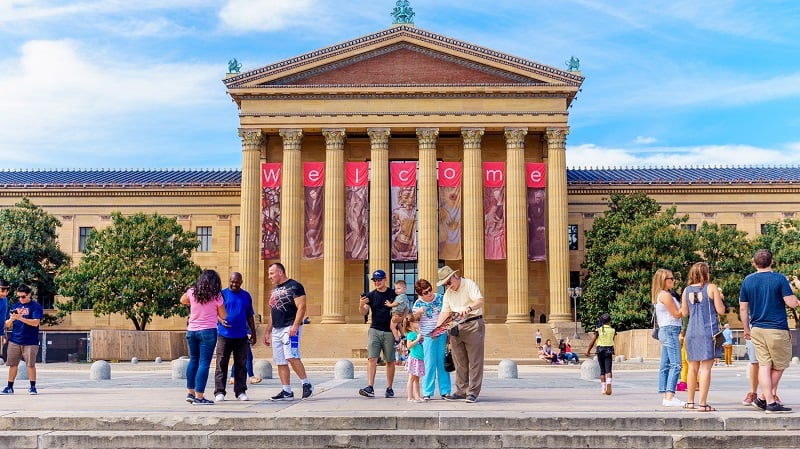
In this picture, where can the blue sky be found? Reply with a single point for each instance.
(137, 84)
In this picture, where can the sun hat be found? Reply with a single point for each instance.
(444, 274)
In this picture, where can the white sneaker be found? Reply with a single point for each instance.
(674, 402)
(219, 398)
(242, 397)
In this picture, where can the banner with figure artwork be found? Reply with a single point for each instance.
(314, 197)
(494, 210)
(356, 181)
(449, 175)
(271, 210)
(537, 205)
(404, 210)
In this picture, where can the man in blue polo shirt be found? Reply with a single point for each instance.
(233, 339)
(23, 342)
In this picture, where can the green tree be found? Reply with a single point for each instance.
(783, 240)
(728, 253)
(29, 250)
(138, 267)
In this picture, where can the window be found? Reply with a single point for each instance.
(83, 237)
(408, 272)
(572, 233)
(764, 228)
(689, 227)
(236, 239)
(729, 226)
(204, 238)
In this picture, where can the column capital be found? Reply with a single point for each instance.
(557, 137)
(472, 137)
(515, 137)
(334, 138)
(427, 137)
(292, 137)
(251, 136)
(379, 137)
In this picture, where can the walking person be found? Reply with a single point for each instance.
(23, 341)
(763, 299)
(463, 299)
(428, 307)
(234, 339)
(604, 339)
(667, 311)
(206, 308)
(379, 335)
(287, 304)
(702, 303)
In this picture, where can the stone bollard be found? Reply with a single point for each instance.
(343, 370)
(507, 369)
(638, 359)
(22, 371)
(100, 370)
(179, 368)
(158, 360)
(134, 360)
(590, 369)
(262, 369)
(619, 358)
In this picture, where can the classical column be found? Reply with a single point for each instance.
(557, 242)
(379, 199)
(516, 226)
(473, 206)
(250, 215)
(333, 239)
(292, 202)
(428, 229)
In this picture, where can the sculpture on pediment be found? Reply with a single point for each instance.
(574, 64)
(402, 13)
(234, 66)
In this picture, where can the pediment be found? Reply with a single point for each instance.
(403, 56)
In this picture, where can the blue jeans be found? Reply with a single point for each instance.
(670, 368)
(433, 358)
(201, 351)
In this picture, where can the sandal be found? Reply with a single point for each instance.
(706, 408)
(688, 405)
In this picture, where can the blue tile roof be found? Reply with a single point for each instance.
(230, 177)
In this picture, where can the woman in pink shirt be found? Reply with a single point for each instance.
(206, 307)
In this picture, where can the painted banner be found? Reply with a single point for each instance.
(271, 210)
(356, 179)
(313, 219)
(494, 210)
(404, 210)
(449, 175)
(536, 181)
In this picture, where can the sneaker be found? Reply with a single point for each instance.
(759, 403)
(389, 392)
(454, 397)
(674, 402)
(748, 400)
(471, 399)
(777, 408)
(308, 389)
(367, 391)
(426, 398)
(190, 398)
(8, 390)
(283, 396)
(681, 386)
(202, 401)
(219, 398)
(242, 397)
(32, 390)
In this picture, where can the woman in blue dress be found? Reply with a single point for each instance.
(427, 308)
(702, 303)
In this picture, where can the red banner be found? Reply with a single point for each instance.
(314, 199)
(494, 210)
(449, 174)
(271, 174)
(356, 174)
(494, 174)
(356, 178)
(404, 174)
(535, 175)
(313, 174)
(404, 211)
(271, 211)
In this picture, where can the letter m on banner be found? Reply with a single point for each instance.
(271, 210)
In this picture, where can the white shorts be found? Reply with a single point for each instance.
(285, 347)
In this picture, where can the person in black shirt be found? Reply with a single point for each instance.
(379, 336)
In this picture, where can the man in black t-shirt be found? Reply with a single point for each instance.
(379, 336)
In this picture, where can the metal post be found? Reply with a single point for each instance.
(575, 293)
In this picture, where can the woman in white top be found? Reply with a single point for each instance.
(668, 316)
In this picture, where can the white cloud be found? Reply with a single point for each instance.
(645, 140)
(265, 15)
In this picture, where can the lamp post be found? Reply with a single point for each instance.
(575, 293)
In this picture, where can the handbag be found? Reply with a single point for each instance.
(717, 338)
(654, 334)
(449, 364)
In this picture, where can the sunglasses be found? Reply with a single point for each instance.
(669, 279)
(23, 296)
(426, 292)
(450, 281)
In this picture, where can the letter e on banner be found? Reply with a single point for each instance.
(313, 174)
(270, 175)
(535, 175)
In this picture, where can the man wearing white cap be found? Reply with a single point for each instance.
(463, 298)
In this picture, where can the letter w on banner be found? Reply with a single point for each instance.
(494, 209)
(271, 210)
(356, 181)
(449, 177)
(536, 180)
(404, 210)
(314, 197)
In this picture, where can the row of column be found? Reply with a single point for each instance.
(473, 234)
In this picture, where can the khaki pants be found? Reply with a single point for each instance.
(467, 350)
(727, 351)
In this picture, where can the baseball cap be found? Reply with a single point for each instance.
(378, 274)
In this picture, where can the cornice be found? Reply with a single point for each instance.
(573, 189)
(62, 192)
(407, 114)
